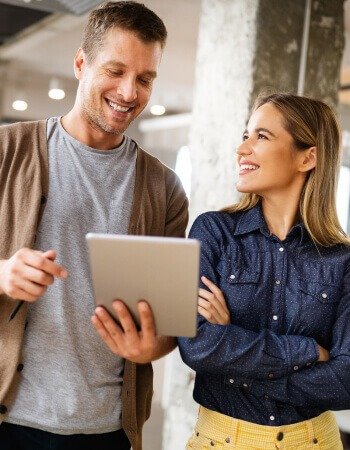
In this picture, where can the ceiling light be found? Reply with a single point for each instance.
(20, 105)
(157, 110)
(56, 91)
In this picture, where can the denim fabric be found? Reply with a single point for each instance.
(17, 437)
(284, 297)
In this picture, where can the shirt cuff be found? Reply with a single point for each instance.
(303, 352)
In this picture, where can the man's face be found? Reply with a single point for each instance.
(116, 85)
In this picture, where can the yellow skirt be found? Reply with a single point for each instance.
(215, 431)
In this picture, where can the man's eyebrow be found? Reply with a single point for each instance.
(120, 65)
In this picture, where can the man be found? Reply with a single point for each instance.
(61, 386)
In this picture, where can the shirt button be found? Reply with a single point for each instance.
(281, 249)
(3, 409)
(296, 367)
(324, 295)
(278, 281)
(308, 364)
(232, 277)
(270, 375)
(275, 317)
(272, 418)
(245, 385)
(227, 440)
(20, 367)
(232, 380)
(280, 436)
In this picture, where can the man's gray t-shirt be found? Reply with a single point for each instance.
(71, 381)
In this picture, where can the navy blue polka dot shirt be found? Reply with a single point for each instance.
(284, 297)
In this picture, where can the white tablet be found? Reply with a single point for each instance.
(163, 271)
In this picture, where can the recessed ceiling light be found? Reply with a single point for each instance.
(157, 110)
(20, 105)
(56, 91)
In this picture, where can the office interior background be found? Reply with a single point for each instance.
(38, 40)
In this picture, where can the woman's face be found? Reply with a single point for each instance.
(267, 160)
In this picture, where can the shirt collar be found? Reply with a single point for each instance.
(253, 219)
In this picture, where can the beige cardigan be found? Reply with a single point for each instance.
(159, 209)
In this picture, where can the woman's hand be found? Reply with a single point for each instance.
(323, 354)
(212, 305)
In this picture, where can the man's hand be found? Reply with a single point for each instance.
(28, 273)
(125, 340)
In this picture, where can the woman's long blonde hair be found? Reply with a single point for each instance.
(310, 123)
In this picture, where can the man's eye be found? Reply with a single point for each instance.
(145, 81)
(114, 73)
(244, 137)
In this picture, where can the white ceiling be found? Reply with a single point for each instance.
(48, 48)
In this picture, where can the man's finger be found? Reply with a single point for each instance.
(38, 276)
(148, 327)
(102, 331)
(50, 254)
(22, 295)
(31, 288)
(47, 265)
(109, 324)
(125, 318)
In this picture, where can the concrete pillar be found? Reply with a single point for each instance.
(244, 46)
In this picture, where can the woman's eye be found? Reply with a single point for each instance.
(261, 136)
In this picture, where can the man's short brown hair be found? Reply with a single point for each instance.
(126, 15)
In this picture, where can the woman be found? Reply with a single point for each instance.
(272, 353)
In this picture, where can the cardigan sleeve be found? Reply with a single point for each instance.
(177, 208)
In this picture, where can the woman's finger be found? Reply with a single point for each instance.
(216, 296)
(207, 315)
(215, 309)
(214, 289)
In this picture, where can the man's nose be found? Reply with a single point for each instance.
(127, 89)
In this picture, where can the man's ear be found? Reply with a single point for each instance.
(79, 63)
(308, 159)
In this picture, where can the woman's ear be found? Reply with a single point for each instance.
(308, 159)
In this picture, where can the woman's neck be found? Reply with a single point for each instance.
(280, 213)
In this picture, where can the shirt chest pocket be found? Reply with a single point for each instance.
(318, 305)
(239, 284)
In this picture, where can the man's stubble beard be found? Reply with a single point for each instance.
(96, 121)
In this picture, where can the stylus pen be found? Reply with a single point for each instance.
(16, 309)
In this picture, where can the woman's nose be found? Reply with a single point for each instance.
(244, 148)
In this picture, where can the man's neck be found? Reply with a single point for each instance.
(84, 132)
